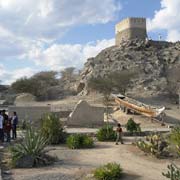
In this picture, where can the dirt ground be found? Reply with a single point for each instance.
(79, 164)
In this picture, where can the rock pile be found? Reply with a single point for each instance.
(152, 59)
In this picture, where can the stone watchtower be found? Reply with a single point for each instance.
(130, 28)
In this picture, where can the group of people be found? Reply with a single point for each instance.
(8, 126)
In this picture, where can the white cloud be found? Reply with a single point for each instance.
(56, 57)
(29, 28)
(30, 25)
(7, 77)
(49, 18)
(167, 18)
(59, 56)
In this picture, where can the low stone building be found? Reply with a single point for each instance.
(85, 115)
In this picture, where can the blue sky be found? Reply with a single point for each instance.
(38, 35)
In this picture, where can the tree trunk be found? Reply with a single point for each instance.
(179, 100)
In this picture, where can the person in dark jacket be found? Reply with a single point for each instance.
(14, 125)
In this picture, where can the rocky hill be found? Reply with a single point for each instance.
(152, 59)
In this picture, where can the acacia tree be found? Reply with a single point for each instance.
(104, 86)
(115, 81)
(37, 85)
(173, 82)
(68, 74)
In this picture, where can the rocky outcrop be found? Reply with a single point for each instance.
(152, 59)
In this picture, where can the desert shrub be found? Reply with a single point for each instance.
(78, 141)
(173, 172)
(132, 126)
(52, 129)
(106, 133)
(31, 148)
(155, 145)
(175, 139)
(110, 171)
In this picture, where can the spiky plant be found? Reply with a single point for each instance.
(173, 172)
(33, 145)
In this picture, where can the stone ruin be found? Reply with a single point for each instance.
(130, 28)
(85, 115)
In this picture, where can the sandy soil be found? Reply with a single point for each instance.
(77, 164)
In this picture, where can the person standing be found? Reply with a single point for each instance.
(8, 130)
(1, 128)
(14, 125)
(5, 120)
(119, 134)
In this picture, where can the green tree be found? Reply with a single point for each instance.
(22, 85)
(68, 74)
(37, 85)
(104, 86)
(173, 82)
(115, 81)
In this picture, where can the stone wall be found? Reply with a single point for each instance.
(29, 113)
(62, 114)
(133, 33)
(130, 28)
(130, 23)
(85, 115)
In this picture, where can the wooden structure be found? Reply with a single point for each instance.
(138, 107)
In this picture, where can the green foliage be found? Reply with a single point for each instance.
(110, 171)
(121, 80)
(155, 145)
(173, 82)
(118, 81)
(101, 84)
(37, 85)
(78, 141)
(175, 138)
(32, 145)
(68, 74)
(52, 129)
(173, 172)
(132, 126)
(106, 133)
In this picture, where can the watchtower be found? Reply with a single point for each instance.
(130, 28)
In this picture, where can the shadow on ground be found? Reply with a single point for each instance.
(129, 176)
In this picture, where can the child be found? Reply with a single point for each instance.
(8, 130)
(119, 134)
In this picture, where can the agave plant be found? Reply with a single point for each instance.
(33, 146)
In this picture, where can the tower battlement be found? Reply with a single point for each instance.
(130, 28)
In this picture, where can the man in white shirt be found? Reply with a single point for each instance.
(1, 128)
